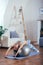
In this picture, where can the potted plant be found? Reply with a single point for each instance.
(2, 31)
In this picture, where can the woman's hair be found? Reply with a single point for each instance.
(17, 43)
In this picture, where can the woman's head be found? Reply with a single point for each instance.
(17, 45)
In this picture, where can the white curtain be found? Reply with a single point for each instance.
(3, 4)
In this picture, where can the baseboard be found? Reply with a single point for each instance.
(34, 43)
(4, 47)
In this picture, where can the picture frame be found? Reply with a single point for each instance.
(41, 10)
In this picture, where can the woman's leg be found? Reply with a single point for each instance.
(32, 47)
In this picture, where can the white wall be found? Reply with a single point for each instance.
(30, 8)
(3, 5)
(31, 15)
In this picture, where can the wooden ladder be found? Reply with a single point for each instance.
(24, 26)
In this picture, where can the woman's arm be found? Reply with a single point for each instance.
(21, 46)
(11, 47)
(8, 50)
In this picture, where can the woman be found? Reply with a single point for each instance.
(17, 46)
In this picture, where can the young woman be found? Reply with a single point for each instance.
(17, 46)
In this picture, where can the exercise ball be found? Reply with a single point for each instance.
(26, 50)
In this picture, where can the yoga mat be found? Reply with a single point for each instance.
(22, 57)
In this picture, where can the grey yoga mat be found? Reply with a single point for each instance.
(21, 56)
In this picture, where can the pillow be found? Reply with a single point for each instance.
(14, 34)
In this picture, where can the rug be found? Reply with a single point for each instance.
(33, 53)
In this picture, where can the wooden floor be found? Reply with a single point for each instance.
(35, 60)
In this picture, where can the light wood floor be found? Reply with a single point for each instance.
(35, 60)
